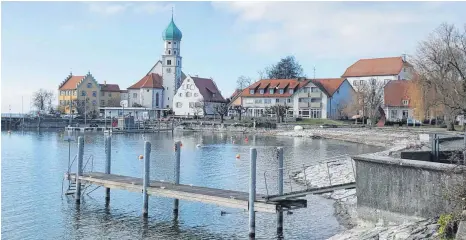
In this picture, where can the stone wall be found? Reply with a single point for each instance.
(396, 190)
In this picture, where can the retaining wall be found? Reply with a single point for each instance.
(399, 190)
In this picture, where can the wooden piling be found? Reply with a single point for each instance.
(79, 170)
(280, 190)
(108, 159)
(177, 174)
(146, 179)
(252, 193)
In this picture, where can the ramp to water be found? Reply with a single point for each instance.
(220, 197)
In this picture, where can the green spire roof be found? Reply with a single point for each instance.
(172, 32)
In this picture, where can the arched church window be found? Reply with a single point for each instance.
(169, 43)
(169, 52)
(157, 99)
(175, 52)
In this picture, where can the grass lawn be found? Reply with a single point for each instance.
(319, 122)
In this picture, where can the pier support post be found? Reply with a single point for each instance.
(146, 179)
(79, 170)
(280, 190)
(108, 160)
(177, 175)
(252, 193)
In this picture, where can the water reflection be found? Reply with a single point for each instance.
(33, 164)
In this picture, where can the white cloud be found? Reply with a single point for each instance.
(107, 8)
(336, 29)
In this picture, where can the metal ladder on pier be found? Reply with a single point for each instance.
(71, 186)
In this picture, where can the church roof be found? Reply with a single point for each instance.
(172, 32)
(151, 80)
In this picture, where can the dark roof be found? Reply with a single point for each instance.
(396, 91)
(151, 80)
(208, 89)
(124, 91)
(376, 67)
(109, 87)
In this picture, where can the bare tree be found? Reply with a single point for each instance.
(113, 103)
(279, 111)
(42, 99)
(199, 107)
(222, 109)
(441, 60)
(369, 97)
(240, 110)
(243, 82)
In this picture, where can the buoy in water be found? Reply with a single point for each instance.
(198, 145)
(141, 157)
(237, 156)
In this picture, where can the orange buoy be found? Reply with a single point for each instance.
(237, 156)
(141, 157)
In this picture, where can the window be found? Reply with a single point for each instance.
(188, 94)
(314, 89)
(169, 52)
(277, 100)
(196, 94)
(405, 102)
(89, 85)
(251, 91)
(404, 69)
(94, 102)
(405, 114)
(306, 90)
(169, 70)
(102, 93)
(175, 54)
(316, 113)
(316, 100)
(291, 91)
(180, 94)
(271, 90)
(191, 105)
(249, 101)
(83, 93)
(267, 101)
(281, 91)
(169, 62)
(102, 102)
(258, 101)
(169, 43)
(110, 94)
(94, 93)
(179, 104)
(355, 82)
(305, 100)
(261, 91)
(197, 104)
(174, 43)
(178, 61)
(289, 100)
(157, 99)
(135, 95)
(361, 82)
(394, 114)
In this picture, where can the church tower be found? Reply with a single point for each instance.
(171, 62)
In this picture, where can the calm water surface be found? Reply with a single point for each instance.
(33, 164)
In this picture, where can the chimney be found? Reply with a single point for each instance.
(403, 56)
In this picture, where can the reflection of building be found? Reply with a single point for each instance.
(381, 69)
(83, 91)
(109, 95)
(317, 98)
(197, 96)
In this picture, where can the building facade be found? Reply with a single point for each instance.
(397, 101)
(197, 97)
(382, 69)
(79, 94)
(110, 95)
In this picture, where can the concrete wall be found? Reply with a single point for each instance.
(388, 188)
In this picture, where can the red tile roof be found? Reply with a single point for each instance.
(330, 84)
(395, 92)
(151, 80)
(285, 84)
(208, 89)
(71, 83)
(235, 94)
(376, 67)
(109, 87)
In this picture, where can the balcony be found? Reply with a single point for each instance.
(315, 94)
(310, 105)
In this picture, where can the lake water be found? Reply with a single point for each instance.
(33, 164)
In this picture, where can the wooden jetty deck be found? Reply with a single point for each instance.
(220, 197)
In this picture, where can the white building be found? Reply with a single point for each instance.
(197, 97)
(381, 69)
(397, 101)
(158, 87)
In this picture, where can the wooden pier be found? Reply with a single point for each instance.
(220, 197)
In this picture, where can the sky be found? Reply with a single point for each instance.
(118, 42)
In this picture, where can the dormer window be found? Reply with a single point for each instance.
(291, 91)
(261, 91)
(405, 102)
(251, 91)
(271, 91)
(281, 91)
